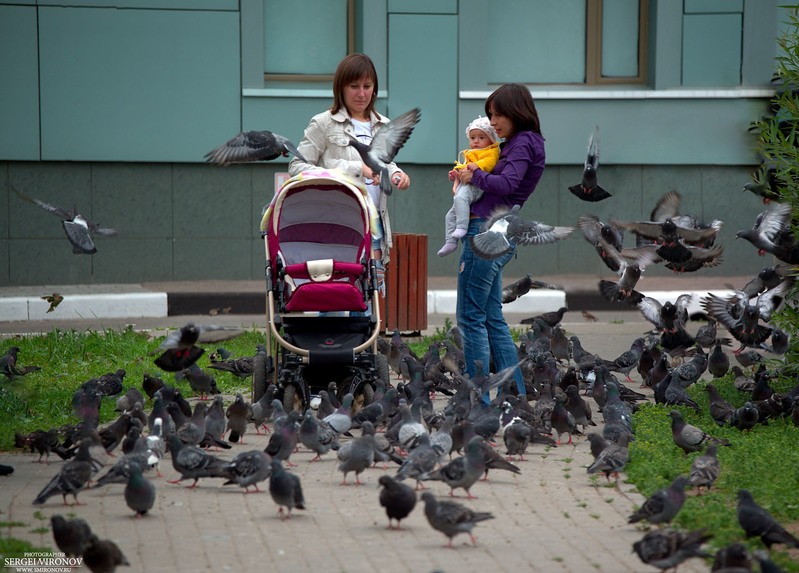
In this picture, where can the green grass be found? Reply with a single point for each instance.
(42, 400)
(764, 461)
(13, 547)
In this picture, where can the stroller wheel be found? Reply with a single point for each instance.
(292, 399)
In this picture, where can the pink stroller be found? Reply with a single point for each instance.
(322, 308)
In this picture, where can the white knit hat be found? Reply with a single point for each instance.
(483, 124)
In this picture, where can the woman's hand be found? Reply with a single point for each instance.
(401, 180)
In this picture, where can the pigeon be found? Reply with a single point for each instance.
(151, 384)
(562, 420)
(421, 460)
(740, 317)
(705, 469)
(141, 456)
(357, 455)
(613, 457)
(517, 437)
(70, 535)
(385, 145)
(493, 460)
(249, 469)
(732, 558)
(746, 417)
(237, 415)
(192, 462)
(462, 472)
(667, 548)
(451, 518)
(551, 318)
(340, 420)
(53, 300)
(663, 505)
(285, 489)
(720, 410)
(522, 286)
(284, 439)
(505, 229)
(8, 364)
(718, 363)
(767, 228)
(78, 228)
(674, 393)
(178, 350)
(397, 498)
(139, 491)
(595, 231)
(757, 522)
(103, 555)
(249, 146)
(588, 189)
(241, 367)
(73, 476)
(689, 438)
(317, 436)
(192, 431)
(215, 421)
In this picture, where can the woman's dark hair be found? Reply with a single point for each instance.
(514, 102)
(351, 69)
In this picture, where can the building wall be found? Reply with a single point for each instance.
(109, 106)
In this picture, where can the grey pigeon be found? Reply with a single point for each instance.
(451, 518)
(517, 436)
(261, 411)
(688, 437)
(733, 558)
(284, 439)
(505, 229)
(384, 451)
(179, 348)
(317, 436)
(73, 476)
(249, 146)
(192, 462)
(522, 286)
(588, 189)
(667, 548)
(249, 469)
(139, 491)
(718, 363)
(464, 471)
(70, 535)
(578, 407)
(385, 145)
(720, 410)
(341, 420)
(663, 505)
(78, 228)
(141, 456)
(103, 555)
(397, 498)
(199, 381)
(757, 522)
(237, 415)
(612, 459)
(705, 469)
(285, 489)
(562, 420)
(746, 417)
(675, 393)
(215, 418)
(494, 461)
(422, 460)
(357, 455)
(192, 431)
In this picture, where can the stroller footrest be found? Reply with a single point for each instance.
(331, 356)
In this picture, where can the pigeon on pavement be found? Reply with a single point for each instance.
(70, 535)
(285, 489)
(588, 189)
(462, 472)
(103, 555)
(250, 146)
(663, 505)
(249, 469)
(397, 498)
(357, 455)
(194, 463)
(73, 476)
(757, 522)
(139, 491)
(317, 436)
(78, 228)
(667, 548)
(385, 145)
(506, 228)
(451, 518)
(237, 415)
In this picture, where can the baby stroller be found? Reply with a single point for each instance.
(321, 282)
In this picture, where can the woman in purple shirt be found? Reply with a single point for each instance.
(521, 162)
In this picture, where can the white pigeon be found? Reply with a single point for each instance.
(506, 229)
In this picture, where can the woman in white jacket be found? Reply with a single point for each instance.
(326, 140)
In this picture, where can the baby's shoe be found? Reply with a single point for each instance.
(458, 233)
(447, 249)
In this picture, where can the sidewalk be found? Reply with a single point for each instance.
(550, 518)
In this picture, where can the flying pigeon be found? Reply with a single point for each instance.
(179, 350)
(451, 518)
(589, 189)
(506, 229)
(53, 300)
(250, 146)
(385, 145)
(78, 228)
(522, 286)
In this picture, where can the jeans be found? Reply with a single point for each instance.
(479, 311)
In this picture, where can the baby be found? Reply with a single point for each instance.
(484, 151)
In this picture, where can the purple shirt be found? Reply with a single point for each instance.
(515, 176)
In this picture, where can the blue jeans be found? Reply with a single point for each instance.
(479, 311)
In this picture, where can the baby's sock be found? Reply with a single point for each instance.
(458, 233)
(447, 249)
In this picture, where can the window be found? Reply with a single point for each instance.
(568, 41)
(304, 40)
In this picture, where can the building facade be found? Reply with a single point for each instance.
(109, 106)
